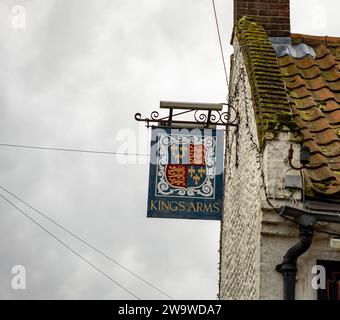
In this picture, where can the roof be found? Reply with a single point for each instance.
(306, 89)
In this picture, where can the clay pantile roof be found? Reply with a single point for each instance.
(313, 90)
(308, 89)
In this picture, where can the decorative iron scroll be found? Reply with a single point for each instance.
(205, 118)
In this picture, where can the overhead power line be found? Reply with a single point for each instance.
(124, 153)
(309, 166)
(70, 249)
(72, 150)
(220, 42)
(87, 243)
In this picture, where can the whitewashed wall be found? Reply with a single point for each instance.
(241, 225)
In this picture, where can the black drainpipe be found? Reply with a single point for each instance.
(288, 267)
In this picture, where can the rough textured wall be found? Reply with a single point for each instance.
(278, 235)
(241, 225)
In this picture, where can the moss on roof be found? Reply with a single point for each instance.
(272, 109)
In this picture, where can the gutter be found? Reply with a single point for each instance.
(299, 215)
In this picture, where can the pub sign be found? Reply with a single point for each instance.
(186, 174)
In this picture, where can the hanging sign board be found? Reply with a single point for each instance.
(186, 174)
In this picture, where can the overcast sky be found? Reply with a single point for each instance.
(74, 78)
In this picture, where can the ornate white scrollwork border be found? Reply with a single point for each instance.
(205, 190)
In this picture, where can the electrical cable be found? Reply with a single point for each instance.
(70, 249)
(124, 153)
(73, 150)
(86, 243)
(220, 42)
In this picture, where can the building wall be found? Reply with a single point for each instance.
(254, 238)
(241, 225)
(274, 247)
(278, 235)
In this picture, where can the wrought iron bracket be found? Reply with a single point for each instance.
(202, 115)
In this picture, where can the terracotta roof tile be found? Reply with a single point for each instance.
(325, 137)
(321, 51)
(293, 69)
(329, 106)
(310, 114)
(327, 62)
(304, 103)
(313, 89)
(306, 63)
(321, 174)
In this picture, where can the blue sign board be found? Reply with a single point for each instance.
(186, 174)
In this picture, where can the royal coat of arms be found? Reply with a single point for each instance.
(186, 166)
